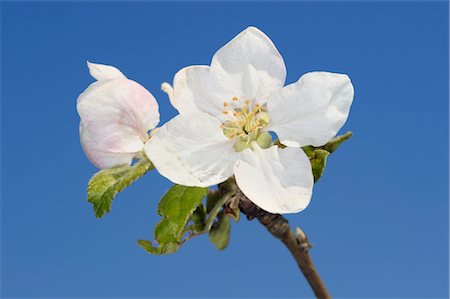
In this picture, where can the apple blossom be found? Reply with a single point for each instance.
(116, 116)
(227, 111)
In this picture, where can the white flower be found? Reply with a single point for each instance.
(116, 114)
(228, 108)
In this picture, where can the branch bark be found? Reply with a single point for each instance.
(298, 245)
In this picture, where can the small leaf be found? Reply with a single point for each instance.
(318, 155)
(318, 161)
(212, 198)
(232, 209)
(175, 208)
(233, 213)
(106, 183)
(309, 150)
(219, 234)
(334, 143)
(163, 249)
(199, 218)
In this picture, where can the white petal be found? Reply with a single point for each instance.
(167, 89)
(252, 63)
(248, 68)
(198, 88)
(277, 180)
(104, 72)
(116, 116)
(191, 150)
(312, 110)
(194, 89)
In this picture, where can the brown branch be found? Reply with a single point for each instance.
(278, 226)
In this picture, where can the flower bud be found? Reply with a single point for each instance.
(241, 145)
(264, 139)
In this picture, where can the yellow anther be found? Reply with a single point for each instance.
(246, 124)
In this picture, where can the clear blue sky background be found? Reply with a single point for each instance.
(379, 216)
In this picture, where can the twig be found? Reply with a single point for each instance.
(278, 226)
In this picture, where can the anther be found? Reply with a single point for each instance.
(235, 99)
(225, 104)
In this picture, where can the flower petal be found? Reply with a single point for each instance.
(247, 68)
(277, 180)
(191, 150)
(100, 155)
(116, 116)
(104, 72)
(195, 89)
(312, 110)
(252, 63)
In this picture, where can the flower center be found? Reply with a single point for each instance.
(246, 122)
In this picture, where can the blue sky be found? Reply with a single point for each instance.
(379, 215)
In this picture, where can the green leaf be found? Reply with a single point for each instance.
(219, 234)
(318, 155)
(106, 183)
(175, 208)
(199, 218)
(318, 161)
(212, 198)
(309, 150)
(162, 249)
(334, 143)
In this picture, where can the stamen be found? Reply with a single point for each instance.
(247, 122)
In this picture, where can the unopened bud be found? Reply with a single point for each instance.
(241, 145)
(264, 140)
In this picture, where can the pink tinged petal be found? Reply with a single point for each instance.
(104, 72)
(247, 68)
(277, 180)
(191, 150)
(100, 155)
(312, 110)
(116, 116)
